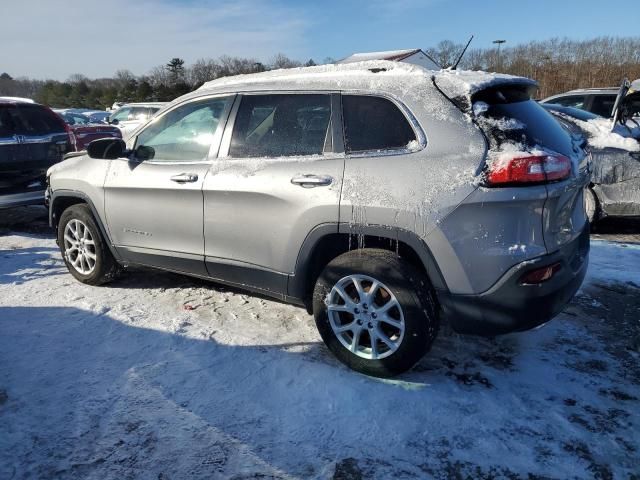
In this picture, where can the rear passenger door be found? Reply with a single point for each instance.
(279, 176)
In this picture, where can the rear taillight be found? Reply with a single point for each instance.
(72, 137)
(540, 275)
(528, 169)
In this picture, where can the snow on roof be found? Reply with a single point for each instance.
(392, 55)
(464, 83)
(455, 83)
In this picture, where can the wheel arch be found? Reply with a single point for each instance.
(325, 242)
(63, 199)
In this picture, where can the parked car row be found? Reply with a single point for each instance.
(83, 131)
(614, 189)
(600, 101)
(130, 116)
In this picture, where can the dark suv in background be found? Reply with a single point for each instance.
(32, 138)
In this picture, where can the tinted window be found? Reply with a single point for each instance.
(281, 125)
(185, 133)
(37, 120)
(7, 128)
(603, 105)
(576, 101)
(373, 123)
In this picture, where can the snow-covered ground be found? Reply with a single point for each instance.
(159, 376)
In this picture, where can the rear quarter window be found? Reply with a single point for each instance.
(374, 124)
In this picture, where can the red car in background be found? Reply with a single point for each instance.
(82, 131)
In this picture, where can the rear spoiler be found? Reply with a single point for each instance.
(462, 88)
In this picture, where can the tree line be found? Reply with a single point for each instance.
(558, 64)
(161, 84)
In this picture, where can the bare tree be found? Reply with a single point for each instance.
(282, 61)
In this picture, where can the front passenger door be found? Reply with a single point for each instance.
(153, 199)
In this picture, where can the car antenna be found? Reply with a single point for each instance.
(455, 65)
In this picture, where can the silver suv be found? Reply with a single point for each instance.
(378, 195)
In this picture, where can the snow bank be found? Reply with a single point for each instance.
(160, 376)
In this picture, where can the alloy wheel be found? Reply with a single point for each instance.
(365, 316)
(79, 247)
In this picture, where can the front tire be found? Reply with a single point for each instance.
(83, 248)
(375, 312)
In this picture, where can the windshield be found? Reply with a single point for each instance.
(76, 119)
(572, 112)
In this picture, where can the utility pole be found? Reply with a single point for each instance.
(499, 42)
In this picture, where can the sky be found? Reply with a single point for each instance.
(56, 38)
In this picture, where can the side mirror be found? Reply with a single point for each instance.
(144, 152)
(107, 148)
(115, 121)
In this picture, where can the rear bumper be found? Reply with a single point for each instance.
(509, 306)
(34, 197)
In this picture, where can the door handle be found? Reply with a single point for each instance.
(310, 181)
(185, 178)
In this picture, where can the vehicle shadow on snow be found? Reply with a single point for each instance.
(20, 265)
(86, 395)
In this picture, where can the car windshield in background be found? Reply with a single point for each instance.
(76, 119)
(572, 112)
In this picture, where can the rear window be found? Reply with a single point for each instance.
(374, 123)
(603, 105)
(37, 120)
(510, 116)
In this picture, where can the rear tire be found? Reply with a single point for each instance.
(388, 320)
(591, 205)
(83, 248)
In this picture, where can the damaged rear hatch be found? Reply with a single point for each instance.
(527, 147)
